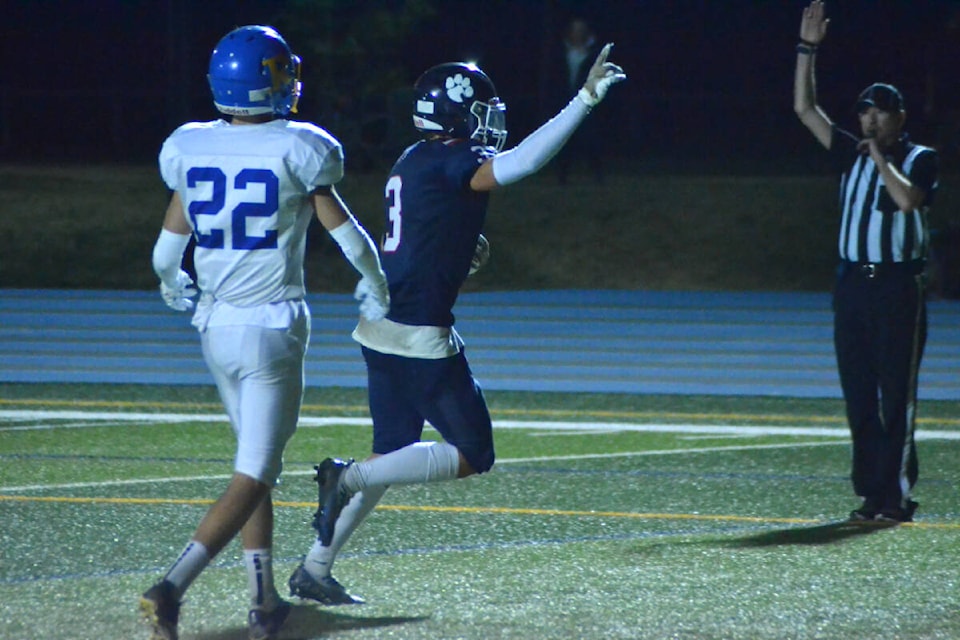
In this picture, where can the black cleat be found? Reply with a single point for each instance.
(160, 608)
(325, 590)
(264, 625)
(332, 497)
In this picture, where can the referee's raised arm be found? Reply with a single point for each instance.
(813, 29)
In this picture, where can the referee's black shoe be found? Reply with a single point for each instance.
(897, 514)
(867, 512)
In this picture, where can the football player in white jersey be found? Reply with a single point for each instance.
(246, 190)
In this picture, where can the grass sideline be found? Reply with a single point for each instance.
(668, 535)
(94, 227)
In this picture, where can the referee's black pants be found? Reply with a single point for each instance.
(880, 329)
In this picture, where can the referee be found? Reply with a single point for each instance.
(880, 322)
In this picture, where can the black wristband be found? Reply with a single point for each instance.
(804, 50)
(812, 45)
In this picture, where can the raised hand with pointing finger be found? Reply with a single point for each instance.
(602, 76)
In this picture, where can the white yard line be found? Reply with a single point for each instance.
(43, 426)
(572, 427)
(541, 425)
(500, 461)
(112, 483)
(731, 436)
(39, 420)
(577, 432)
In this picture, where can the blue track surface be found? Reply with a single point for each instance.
(600, 341)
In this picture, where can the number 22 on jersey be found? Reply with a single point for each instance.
(391, 241)
(213, 237)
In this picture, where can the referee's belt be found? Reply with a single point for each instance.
(873, 270)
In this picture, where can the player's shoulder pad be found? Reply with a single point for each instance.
(313, 136)
(319, 153)
(192, 127)
(481, 153)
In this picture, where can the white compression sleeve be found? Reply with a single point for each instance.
(358, 248)
(535, 150)
(167, 254)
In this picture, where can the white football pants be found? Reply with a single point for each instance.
(259, 374)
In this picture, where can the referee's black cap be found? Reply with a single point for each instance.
(885, 97)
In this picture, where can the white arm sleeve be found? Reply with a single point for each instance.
(167, 254)
(358, 248)
(535, 150)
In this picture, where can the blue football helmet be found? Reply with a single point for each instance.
(459, 100)
(253, 72)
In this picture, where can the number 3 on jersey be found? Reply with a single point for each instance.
(391, 241)
(239, 240)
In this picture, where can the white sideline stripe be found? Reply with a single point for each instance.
(71, 425)
(731, 436)
(309, 421)
(306, 472)
(577, 432)
(112, 483)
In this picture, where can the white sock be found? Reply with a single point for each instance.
(319, 560)
(415, 463)
(263, 593)
(188, 566)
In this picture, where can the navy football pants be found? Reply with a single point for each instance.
(406, 391)
(880, 329)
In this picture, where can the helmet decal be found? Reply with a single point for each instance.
(426, 125)
(459, 88)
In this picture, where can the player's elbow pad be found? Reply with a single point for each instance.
(535, 150)
(358, 248)
(167, 254)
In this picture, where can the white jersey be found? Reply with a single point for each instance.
(245, 192)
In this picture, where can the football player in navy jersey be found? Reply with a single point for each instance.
(436, 203)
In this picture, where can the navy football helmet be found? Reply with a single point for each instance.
(457, 99)
(253, 72)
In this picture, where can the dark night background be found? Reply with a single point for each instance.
(709, 89)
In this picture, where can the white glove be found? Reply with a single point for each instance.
(374, 299)
(480, 255)
(602, 76)
(178, 296)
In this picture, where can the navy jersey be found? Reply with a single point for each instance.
(434, 220)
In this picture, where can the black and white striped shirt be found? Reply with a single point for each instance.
(872, 228)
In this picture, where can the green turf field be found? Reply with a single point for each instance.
(606, 517)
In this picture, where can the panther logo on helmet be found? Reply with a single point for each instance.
(459, 88)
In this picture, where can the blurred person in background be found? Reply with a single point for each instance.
(585, 149)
